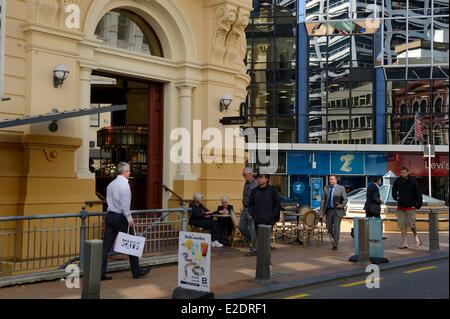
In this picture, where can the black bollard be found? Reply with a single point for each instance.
(263, 254)
(433, 229)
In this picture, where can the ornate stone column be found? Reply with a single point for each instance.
(83, 125)
(184, 170)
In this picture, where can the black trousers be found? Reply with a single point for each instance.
(115, 223)
(216, 228)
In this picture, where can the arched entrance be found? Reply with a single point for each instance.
(128, 56)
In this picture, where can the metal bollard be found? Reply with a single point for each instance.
(363, 241)
(433, 229)
(92, 269)
(263, 254)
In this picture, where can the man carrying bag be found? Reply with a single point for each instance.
(118, 219)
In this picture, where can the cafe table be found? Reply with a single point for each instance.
(297, 214)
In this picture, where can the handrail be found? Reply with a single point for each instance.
(167, 189)
(88, 214)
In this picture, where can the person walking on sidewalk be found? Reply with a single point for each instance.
(406, 192)
(200, 216)
(373, 203)
(264, 205)
(246, 223)
(332, 207)
(119, 219)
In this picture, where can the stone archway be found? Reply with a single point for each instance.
(177, 36)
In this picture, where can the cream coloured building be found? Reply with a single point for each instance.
(187, 54)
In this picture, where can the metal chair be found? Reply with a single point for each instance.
(322, 229)
(309, 222)
(285, 227)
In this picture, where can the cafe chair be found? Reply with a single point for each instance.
(287, 228)
(196, 229)
(322, 230)
(236, 236)
(308, 226)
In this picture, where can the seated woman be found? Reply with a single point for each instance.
(201, 217)
(227, 224)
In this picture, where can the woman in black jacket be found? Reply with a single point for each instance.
(200, 216)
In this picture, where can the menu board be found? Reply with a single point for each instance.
(194, 261)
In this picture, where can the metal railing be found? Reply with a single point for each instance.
(40, 243)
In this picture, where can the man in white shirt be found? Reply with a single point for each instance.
(119, 219)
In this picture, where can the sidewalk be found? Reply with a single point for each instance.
(232, 272)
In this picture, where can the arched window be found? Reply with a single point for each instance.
(423, 107)
(403, 109)
(124, 29)
(416, 107)
(438, 105)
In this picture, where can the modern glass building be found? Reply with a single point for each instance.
(368, 67)
(367, 74)
(271, 59)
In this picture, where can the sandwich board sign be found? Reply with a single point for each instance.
(194, 261)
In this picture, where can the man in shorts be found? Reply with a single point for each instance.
(406, 192)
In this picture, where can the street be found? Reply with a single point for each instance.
(421, 281)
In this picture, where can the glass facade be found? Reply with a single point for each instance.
(347, 100)
(271, 66)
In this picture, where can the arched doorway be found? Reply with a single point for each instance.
(134, 135)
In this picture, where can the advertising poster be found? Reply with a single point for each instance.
(194, 261)
(316, 192)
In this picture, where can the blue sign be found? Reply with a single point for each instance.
(343, 163)
(376, 164)
(298, 188)
(305, 163)
(316, 192)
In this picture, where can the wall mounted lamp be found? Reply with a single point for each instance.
(60, 73)
(225, 103)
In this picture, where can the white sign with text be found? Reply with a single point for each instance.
(194, 261)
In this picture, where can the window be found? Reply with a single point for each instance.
(126, 30)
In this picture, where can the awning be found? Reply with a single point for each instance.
(55, 116)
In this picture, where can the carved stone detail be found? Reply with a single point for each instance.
(223, 19)
(236, 39)
(50, 154)
(50, 12)
(46, 11)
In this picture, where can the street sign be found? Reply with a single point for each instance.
(233, 120)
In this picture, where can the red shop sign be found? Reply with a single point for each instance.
(418, 165)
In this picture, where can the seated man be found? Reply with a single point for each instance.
(227, 223)
(201, 217)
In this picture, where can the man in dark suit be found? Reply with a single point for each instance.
(332, 207)
(373, 200)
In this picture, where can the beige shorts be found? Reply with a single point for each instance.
(406, 219)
